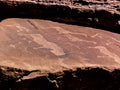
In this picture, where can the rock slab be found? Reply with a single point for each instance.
(37, 54)
(51, 53)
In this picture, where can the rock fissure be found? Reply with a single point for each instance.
(79, 79)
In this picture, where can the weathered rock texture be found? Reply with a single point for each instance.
(96, 13)
(45, 55)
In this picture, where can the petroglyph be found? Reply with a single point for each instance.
(12, 46)
(109, 43)
(63, 31)
(74, 39)
(54, 43)
(112, 55)
(97, 35)
(55, 49)
(115, 39)
(19, 27)
(69, 35)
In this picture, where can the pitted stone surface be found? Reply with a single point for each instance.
(33, 44)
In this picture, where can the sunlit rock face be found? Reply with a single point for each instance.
(53, 45)
(33, 50)
(34, 44)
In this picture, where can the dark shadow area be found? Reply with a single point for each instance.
(60, 13)
(80, 79)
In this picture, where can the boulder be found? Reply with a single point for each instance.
(41, 54)
(59, 45)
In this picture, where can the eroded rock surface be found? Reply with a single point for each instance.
(33, 44)
(95, 13)
(45, 55)
(36, 49)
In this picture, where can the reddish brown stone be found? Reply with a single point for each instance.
(37, 44)
(33, 48)
(38, 54)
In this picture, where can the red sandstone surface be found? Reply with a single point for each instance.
(32, 49)
(33, 44)
(37, 52)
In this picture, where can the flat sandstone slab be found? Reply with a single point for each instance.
(33, 44)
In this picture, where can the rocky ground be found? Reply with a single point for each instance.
(59, 44)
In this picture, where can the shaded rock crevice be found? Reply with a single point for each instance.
(9, 76)
(98, 14)
(78, 79)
